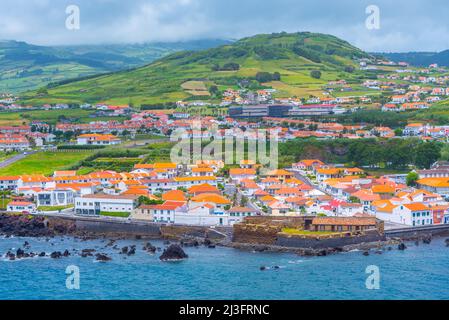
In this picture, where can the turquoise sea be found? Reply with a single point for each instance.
(420, 272)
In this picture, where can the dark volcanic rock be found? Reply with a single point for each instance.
(148, 247)
(173, 252)
(23, 226)
(20, 253)
(427, 240)
(259, 248)
(124, 250)
(132, 251)
(322, 253)
(42, 254)
(56, 255)
(446, 242)
(263, 268)
(102, 257)
(66, 253)
(366, 253)
(402, 246)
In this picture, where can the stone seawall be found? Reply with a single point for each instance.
(111, 227)
(101, 227)
(297, 242)
(417, 232)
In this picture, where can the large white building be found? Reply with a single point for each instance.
(97, 139)
(55, 197)
(95, 204)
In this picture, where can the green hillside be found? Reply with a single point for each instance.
(25, 67)
(190, 74)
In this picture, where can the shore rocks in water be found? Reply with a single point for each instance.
(260, 248)
(42, 254)
(366, 253)
(102, 257)
(402, 246)
(124, 250)
(132, 251)
(172, 253)
(56, 255)
(20, 253)
(148, 247)
(66, 253)
(190, 243)
(446, 242)
(87, 253)
(427, 239)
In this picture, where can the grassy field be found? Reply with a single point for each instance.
(51, 116)
(54, 208)
(298, 232)
(115, 214)
(44, 163)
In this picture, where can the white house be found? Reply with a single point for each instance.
(8, 182)
(21, 206)
(412, 214)
(97, 139)
(165, 213)
(201, 215)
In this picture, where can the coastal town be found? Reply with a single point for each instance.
(210, 193)
(224, 156)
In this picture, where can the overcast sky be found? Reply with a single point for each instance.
(405, 25)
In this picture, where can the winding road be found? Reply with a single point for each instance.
(15, 158)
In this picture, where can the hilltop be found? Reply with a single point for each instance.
(289, 59)
(25, 66)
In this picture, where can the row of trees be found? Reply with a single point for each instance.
(391, 153)
(230, 66)
(263, 77)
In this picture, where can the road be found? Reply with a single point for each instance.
(307, 181)
(15, 158)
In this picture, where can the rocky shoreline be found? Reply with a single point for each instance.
(33, 226)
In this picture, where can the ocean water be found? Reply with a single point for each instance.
(420, 272)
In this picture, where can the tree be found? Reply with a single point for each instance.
(411, 179)
(316, 74)
(349, 69)
(213, 90)
(398, 132)
(427, 153)
(147, 201)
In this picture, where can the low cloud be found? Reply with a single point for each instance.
(405, 25)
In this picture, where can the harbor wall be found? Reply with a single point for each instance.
(297, 242)
(416, 232)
